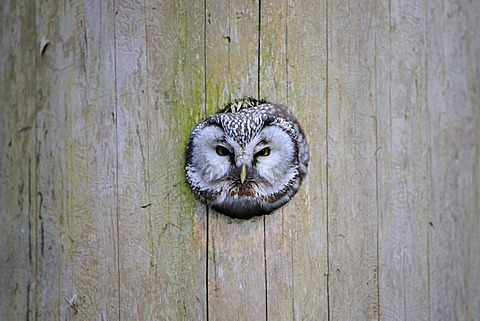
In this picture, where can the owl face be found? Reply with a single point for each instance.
(246, 163)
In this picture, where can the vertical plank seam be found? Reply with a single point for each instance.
(259, 48)
(327, 157)
(429, 230)
(286, 54)
(207, 212)
(147, 100)
(265, 265)
(287, 82)
(31, 217)
(229, 75)
(116, 157)
(68, 259)
(33, 195)
(152, 257)
(376, 166)
(390, 125)
(207, 236)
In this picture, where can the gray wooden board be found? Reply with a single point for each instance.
(97, 103)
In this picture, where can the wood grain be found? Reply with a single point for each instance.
(98, 100)
(135, 254)
(236, 262)
(352, 210)
(56, 93)
(307, 97)
(176, 222)
(278, 225)
(92, 164)
(403, 180)
(453, 89)
(292, 38)
(17, 161)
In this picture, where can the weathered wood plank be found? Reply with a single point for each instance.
(176, 228)
(278, 225)
(293, 38)
(472, 48)
(55, 68)
(135, 256)
(97, 105)
(91, 163)
(403, 180)
(307, 97)
(352, 211)
(76, 163)
(273, 51)
(160, 90)
(17, 161)
(236, 263)
(453, 89)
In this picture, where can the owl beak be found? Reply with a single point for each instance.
(243, 173)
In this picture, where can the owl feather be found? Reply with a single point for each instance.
(247, 160)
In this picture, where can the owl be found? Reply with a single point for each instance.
(247, 160)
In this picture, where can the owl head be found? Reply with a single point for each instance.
(247, 162)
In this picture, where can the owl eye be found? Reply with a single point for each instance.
(263, 152)
(222, 151)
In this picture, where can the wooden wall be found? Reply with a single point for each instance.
(98, 99)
